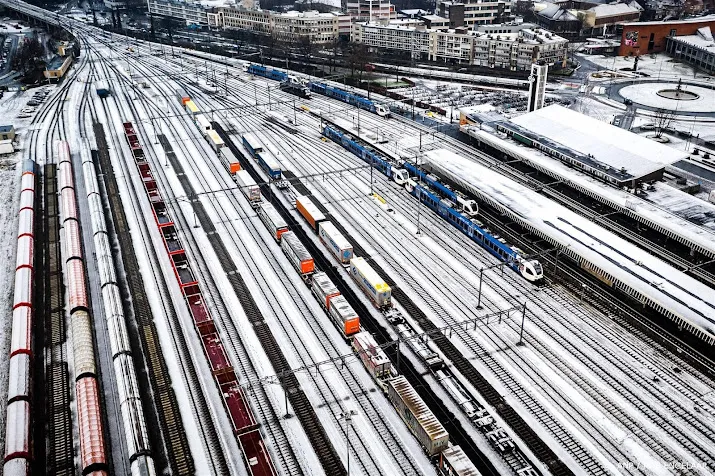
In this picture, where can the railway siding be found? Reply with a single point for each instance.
(175, 443)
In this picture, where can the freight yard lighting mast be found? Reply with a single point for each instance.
(347, 417)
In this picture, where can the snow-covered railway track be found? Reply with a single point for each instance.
(204, 421)
(386, 434)
(695, 445)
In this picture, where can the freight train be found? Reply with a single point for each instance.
(454, 207)
(296, 86)
(225, 155)
(412, 409)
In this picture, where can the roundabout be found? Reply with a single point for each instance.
(683, 99)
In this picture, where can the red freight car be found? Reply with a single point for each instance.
(258, 460)
(238, 409)
(89, 420)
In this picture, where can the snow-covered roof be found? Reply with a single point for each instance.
(705, 19)
(607, 144)
(610, 10)
(623, 261)
(702, 39)
(555, 12)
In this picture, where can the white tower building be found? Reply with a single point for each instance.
(537, 86)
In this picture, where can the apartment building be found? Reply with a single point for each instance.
(371, 10)
(193, 13)
(516, 49)
(486, 12)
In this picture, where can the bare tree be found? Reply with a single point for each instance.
(29, 53)
(357, 58)
(662, 120)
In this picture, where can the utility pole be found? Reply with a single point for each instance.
(521, 332)
(481, 278)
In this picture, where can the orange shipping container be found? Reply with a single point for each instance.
(310, 212)
(91, 433)
(235, 167)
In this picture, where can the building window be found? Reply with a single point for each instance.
(673, 32)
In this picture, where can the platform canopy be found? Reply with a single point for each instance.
(599, 141)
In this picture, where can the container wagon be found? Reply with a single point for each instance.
(203, 123)
(297, 253)
(417, 416)
(216, 142)
(248, 186)
(310, 212)
(338, 245)
(269, 163)
(344, 316)
(324, 289)
(252, 144)
(373, 285)
(272, 219)
(372, 355)
(230, 160)
(191, 107)
(182, 96)
(453, 462)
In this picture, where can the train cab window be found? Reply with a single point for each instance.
(527, 270)
(537, 267)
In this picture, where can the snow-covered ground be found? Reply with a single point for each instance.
(659, 65)
(647, 95)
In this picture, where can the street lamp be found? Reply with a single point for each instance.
(347, 417)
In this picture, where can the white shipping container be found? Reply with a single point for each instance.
(203, 123)
(272, 219)
(338, 245)
(297, 253)
(324, 289)
(370, 282)
(248, 186)
(344, 315)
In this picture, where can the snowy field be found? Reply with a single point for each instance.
(658, 65)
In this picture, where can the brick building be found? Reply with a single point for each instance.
(650, 37)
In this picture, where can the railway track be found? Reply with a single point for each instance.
(223, 318)
(356, 390)
(696, 448)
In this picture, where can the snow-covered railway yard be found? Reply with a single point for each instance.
(231, 311)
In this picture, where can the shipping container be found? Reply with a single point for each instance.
(310, 212)
(229, 160)
(372, 356)
(344, 315)
(17, 430)
(453, 462)
(82, 344)
(417, 415)
(89, 421)
(248, 186)
(216, 142)
(297, 253)
(19, 377)
(252, 144)
(191, 108)
(338, 245)
(182, 96)
(269, 163)
(373, 285)
(272, 219)
(203, 123)
(324, 289)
